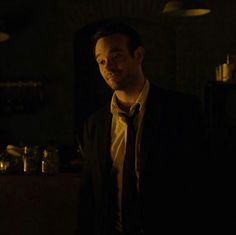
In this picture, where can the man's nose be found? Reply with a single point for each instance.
(110, 65)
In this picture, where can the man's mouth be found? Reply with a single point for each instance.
(113, 77)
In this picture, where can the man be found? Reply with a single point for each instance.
(169, 140)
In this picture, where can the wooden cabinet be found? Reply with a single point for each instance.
(220, 106)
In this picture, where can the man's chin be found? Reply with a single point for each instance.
(115, 86)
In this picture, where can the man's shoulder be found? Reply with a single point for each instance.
(177, 101)
(171, 94)
(99, 114)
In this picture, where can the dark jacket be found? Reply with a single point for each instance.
(172, 166)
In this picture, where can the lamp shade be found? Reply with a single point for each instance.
(186, 8)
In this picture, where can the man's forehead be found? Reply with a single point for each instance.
(110, 44)
(111, 51)
(112, 39)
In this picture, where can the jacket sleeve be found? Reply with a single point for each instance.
(85, 199)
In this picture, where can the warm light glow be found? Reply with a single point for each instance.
(196, 12)
(181, 8)
(4, 36)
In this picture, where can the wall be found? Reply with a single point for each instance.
(41, 50)
(181, 54)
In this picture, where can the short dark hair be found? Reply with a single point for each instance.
(111, 28)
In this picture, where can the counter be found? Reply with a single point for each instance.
(36, 205)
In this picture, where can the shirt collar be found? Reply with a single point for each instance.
(116, 110)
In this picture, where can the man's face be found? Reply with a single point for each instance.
(117, 66)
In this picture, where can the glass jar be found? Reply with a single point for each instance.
(4, 162)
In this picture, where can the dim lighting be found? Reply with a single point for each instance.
(4, 35)
(186, 8)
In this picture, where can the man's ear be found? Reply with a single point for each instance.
(139, 54)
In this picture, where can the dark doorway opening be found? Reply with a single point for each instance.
(91, 91)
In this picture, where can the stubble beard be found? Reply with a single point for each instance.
(124, 83)
(120, 85)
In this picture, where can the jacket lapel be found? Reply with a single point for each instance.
(105, 165)
(103, 141)
(151, 123)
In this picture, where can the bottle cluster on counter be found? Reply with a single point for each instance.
(30, 160)
(226, 72)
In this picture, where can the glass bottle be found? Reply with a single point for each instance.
(31, 160)
(50, 161)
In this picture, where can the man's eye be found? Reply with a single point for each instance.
(117, 56)
(101, 62)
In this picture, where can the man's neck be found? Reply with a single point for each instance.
(126, 99)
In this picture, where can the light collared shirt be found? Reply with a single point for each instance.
(119, 137)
